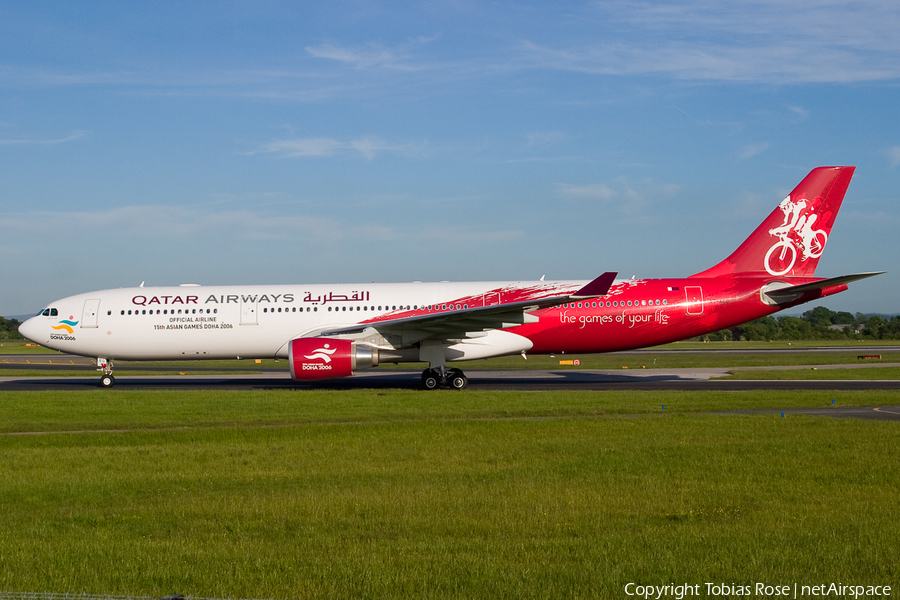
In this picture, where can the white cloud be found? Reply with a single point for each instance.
(799, 111)
(468, 237)
(752, 150)
(761, 41)
(367, 147)
(360, 58)
(299, 147)
(45, 142)
(158, 223)
(770, 41)
(703, 61)
(632, 199)
(593, 191)
(894, 156)
(366, 57)
(543, 138)
(168, 222)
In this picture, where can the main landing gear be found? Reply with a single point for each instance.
(106, 380)
(444, 377)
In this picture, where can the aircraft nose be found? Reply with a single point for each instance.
(31, 329)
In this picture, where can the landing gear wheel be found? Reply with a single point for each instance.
(107, 381)
(430, 380)
(458, 381)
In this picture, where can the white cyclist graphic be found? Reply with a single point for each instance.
(796, 232)
(323, 354)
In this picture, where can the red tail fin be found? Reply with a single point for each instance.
(791, 239)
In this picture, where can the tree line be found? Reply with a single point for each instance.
(9, 329)
(819, 323)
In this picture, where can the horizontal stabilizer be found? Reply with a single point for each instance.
(598, 287)
(788, 294)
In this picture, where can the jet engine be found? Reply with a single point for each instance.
(328, 358)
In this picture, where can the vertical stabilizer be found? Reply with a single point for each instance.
(791, 239)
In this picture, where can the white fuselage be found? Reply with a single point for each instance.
(191, 322)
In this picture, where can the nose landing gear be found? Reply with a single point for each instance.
(443, 377)
(106, 380)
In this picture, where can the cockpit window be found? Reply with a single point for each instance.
(49, 312)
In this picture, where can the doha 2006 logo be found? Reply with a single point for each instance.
(66, 326)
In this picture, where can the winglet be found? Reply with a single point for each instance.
(598, 287)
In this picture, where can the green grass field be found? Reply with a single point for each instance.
(405, 494)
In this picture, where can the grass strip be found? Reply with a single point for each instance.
(441, 505)
(869, 373)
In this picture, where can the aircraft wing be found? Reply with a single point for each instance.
(788, 294)
(458, 323)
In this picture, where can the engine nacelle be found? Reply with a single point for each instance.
(327, 358)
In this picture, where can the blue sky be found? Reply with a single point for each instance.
(285, 142)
